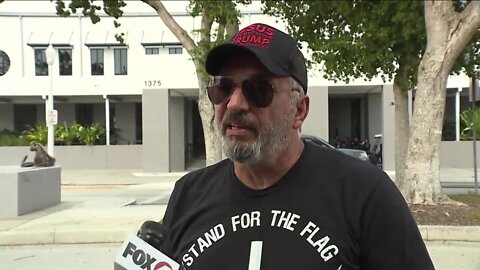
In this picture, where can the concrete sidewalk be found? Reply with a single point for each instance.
(450, 174)
(87, 222)
(116, 177)
(74, 223)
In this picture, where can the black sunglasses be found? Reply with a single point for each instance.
(258, 91)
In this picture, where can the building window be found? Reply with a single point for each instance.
(84, 114)
(175, 50)
(96, 58)
(24, 116)
(120, 59)
(65, 61)
(4, 63)
(152, 51)
(41, 66)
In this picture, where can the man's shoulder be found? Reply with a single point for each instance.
(204, 175)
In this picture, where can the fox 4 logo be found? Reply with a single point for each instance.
(143, 259)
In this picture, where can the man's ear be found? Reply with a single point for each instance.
(303, 105)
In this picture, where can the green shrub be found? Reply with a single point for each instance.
(67, 134)
(39, 133)
(93, 134)
(10, 139)
(64, 135)
(467, 120)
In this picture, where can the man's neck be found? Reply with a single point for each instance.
(270, 169)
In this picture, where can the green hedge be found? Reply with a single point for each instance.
(75, 134)
(467, 121)
(9, 138)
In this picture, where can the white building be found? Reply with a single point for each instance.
(146, 89)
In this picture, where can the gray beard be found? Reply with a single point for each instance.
(272, 139)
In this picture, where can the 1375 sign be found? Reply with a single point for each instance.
(152, 83)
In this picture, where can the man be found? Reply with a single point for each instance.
(278, 202)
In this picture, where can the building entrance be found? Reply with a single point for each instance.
(347, 118)
(195, 156)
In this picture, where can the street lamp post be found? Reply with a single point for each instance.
(50, 54)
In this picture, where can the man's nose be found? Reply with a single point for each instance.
(237, 101)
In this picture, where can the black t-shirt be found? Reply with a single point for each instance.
(330, 211)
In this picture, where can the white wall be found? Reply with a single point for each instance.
(316, 122)
(77, 31)
(374, 116)
(388, 128)
(11, 47)
(174, 71)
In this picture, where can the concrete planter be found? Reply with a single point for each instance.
(92, 157)
(459, 154)
(25, 190)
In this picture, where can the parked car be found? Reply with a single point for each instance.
(360, 154)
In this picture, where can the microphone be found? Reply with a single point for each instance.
(154, 233)
(143, 251)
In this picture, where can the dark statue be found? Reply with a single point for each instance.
(41, 159)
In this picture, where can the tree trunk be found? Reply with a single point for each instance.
(448, 32)
(213, 148)
(232, 29)
(422, 171)
(402, 125)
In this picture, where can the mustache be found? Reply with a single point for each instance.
(237, 118)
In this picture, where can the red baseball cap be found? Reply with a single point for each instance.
(276, 50)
